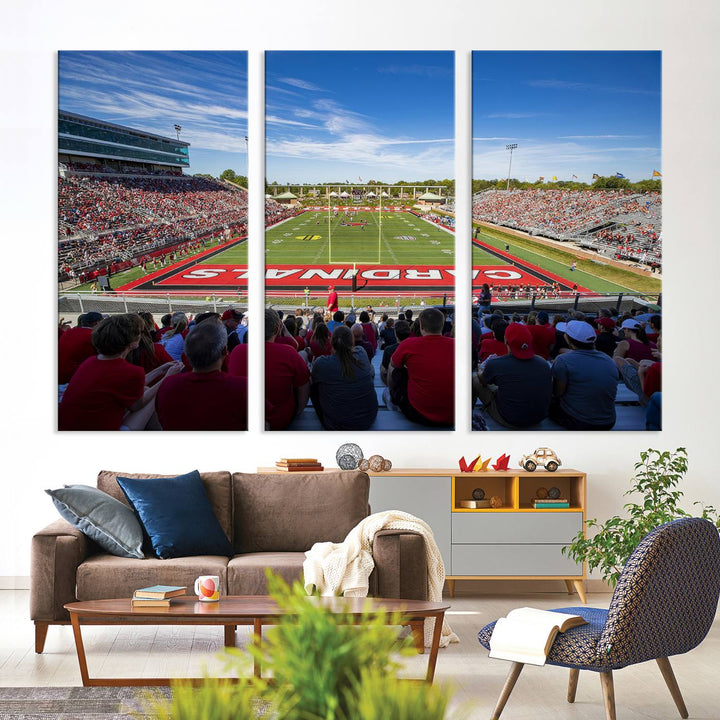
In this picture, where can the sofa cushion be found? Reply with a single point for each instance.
(290, 513)
(110, 523)
(177, 515)
(106, 576)
(246, 573)
(217, 487)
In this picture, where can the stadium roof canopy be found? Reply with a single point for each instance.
(82, 136)
(286, 196)
(430, 196)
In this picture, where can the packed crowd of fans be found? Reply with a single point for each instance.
(558, 213)
(328, 357)
(527, 368)
(123, 372)
(102, 220)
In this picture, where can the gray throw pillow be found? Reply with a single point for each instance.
(110, 523)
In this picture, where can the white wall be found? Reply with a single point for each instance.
(36, 457)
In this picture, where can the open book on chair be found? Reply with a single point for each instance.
(527, 634)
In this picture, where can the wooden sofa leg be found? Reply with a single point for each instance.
(572, 684)
(608, 688)
(515, 670)
(671, 682)
(41, 630)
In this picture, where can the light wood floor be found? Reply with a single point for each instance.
(539, 694)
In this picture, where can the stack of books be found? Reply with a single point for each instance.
(550, 503)
(299, 465)
(156, 595)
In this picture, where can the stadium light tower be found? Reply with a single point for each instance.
(178, 128)
(510, 147)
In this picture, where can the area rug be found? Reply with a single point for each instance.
(73, 703)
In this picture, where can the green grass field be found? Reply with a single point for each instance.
(594, 275)
(394, 239)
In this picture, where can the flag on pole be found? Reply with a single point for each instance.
(575, 177)
(359, 179)
(554, 178)
(619, 175)
(656, 174)
(541, 179)
(595, 176)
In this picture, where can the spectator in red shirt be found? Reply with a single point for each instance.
(332, 301)
(421, 375)
(107, 392)
(75, 346)
(206, 398)
(543, 334)
(287, 378)
(496, 344)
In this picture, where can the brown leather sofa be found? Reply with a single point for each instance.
(271, 520)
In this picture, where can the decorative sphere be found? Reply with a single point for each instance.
(387, 465)
(348, 456)
(541, 493)
(554, 493)
(363, 465)
(478, 494)
(496, 501)
(376, 463)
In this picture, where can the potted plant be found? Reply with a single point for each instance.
(323, 668)
(657, 476)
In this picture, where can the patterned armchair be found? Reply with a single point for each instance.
(664, 604)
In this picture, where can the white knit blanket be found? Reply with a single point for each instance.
(344, 568)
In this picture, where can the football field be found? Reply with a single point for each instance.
(365, 238)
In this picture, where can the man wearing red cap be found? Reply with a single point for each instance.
(332, 301)
(516, 388)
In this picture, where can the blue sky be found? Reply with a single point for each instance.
(337, 116)
(204, 92)
(571, 113)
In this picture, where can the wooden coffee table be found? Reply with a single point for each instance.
(231, 611)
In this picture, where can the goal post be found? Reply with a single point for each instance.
(341, 254)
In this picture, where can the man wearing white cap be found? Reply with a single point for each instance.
(585, 382)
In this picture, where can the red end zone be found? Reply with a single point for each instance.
(378, 277)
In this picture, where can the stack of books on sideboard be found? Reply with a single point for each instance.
(539, 503)
(299, 465)
(156, 595)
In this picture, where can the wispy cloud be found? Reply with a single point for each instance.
(205, 93)
(598, 137)
(430, 71)
(515, 115)
(298, 83)
(557, 84)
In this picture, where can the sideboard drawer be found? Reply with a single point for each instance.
(540, 526)
(513, 560)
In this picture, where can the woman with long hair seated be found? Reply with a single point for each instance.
(342, 388)
(148, 354)
(174, 339)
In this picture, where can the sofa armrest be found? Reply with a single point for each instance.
(55, 554)
(400, 565)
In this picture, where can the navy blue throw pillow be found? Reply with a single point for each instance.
(177, 516)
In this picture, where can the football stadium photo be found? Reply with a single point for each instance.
(146, 203)
(359, 241)
(567, 241)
